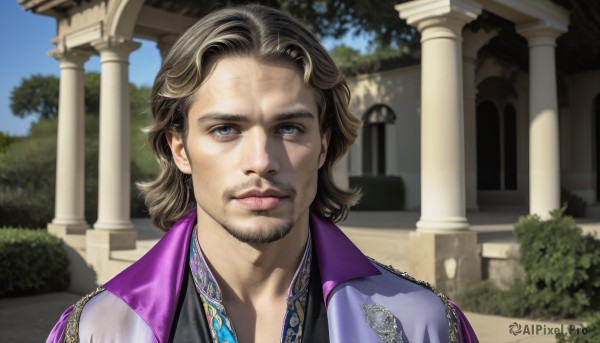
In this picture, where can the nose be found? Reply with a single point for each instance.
(259, 154)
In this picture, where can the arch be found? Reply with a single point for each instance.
(375, 119)
(488, 146)
(379, 114)
(122, 17)
(498, 90)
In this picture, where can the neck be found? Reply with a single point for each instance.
(251, 273)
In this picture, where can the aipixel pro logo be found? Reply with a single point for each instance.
(516, 329)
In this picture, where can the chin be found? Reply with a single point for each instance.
(258, 230)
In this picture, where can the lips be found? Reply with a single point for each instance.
(260, 203)
(260, 200)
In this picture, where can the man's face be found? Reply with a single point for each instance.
(253, 148)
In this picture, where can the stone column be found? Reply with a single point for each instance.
(113, 229)
(114, 179)
(443, 250)
(69, 223)
(544, 154)
(473, 41)
(69, 210)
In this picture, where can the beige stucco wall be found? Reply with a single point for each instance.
(401, 90)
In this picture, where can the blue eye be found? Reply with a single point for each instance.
(223, 130)
(290, 130)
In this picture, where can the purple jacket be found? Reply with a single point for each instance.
(358, 293)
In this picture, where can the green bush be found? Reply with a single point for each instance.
(486, 298)
(31, 262)
(380, 193)
(28, 170)
(562, 273)
(575, 205)
(27, 179)
(590, 335)
(562, 265)
(5, 141)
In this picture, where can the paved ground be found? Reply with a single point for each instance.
(30, 319)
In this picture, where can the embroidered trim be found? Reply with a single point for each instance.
(450, 312)
(221, 327)
(71, 334)
(383, 322)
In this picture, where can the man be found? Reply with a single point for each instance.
(250, 115)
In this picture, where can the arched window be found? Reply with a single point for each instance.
(488, 147)
(374, 120)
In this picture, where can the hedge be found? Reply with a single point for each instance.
(31, 262)
(379, 193)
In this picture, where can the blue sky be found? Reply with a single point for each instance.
(26, 40)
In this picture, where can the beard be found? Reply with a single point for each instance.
(273, 234)
(264, 235)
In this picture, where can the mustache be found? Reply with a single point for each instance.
(284, 188)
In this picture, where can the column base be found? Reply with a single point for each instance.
(120, 225)
(73, 236)
(62, 230)
(443, 223)
(100, 243)
(450, 261)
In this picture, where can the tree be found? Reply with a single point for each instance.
(36, 95)
(91, 84)
(332, 18)
(345, 56)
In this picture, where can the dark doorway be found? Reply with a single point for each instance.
(488, 147)
(597, 119)
(510, 147)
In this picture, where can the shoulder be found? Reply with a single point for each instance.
(422, 313)
(102, 316)
(434, 305)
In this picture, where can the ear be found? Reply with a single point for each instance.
(180, 157)
(325, 137)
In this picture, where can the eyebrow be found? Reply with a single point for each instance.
(238, 118)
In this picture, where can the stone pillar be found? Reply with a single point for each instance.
(473, 41)
(113, 230)
(114, 179)
(544, 154)
(69, 209)
(443, 250)
(69, 222)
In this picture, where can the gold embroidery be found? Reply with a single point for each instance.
(71, 334)
(383, 322)
(450, 312)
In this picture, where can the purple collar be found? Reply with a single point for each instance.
(152, 285)
(339, 259)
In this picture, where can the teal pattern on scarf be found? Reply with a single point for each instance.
(221, 327)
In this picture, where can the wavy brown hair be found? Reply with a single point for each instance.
(265, 34)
